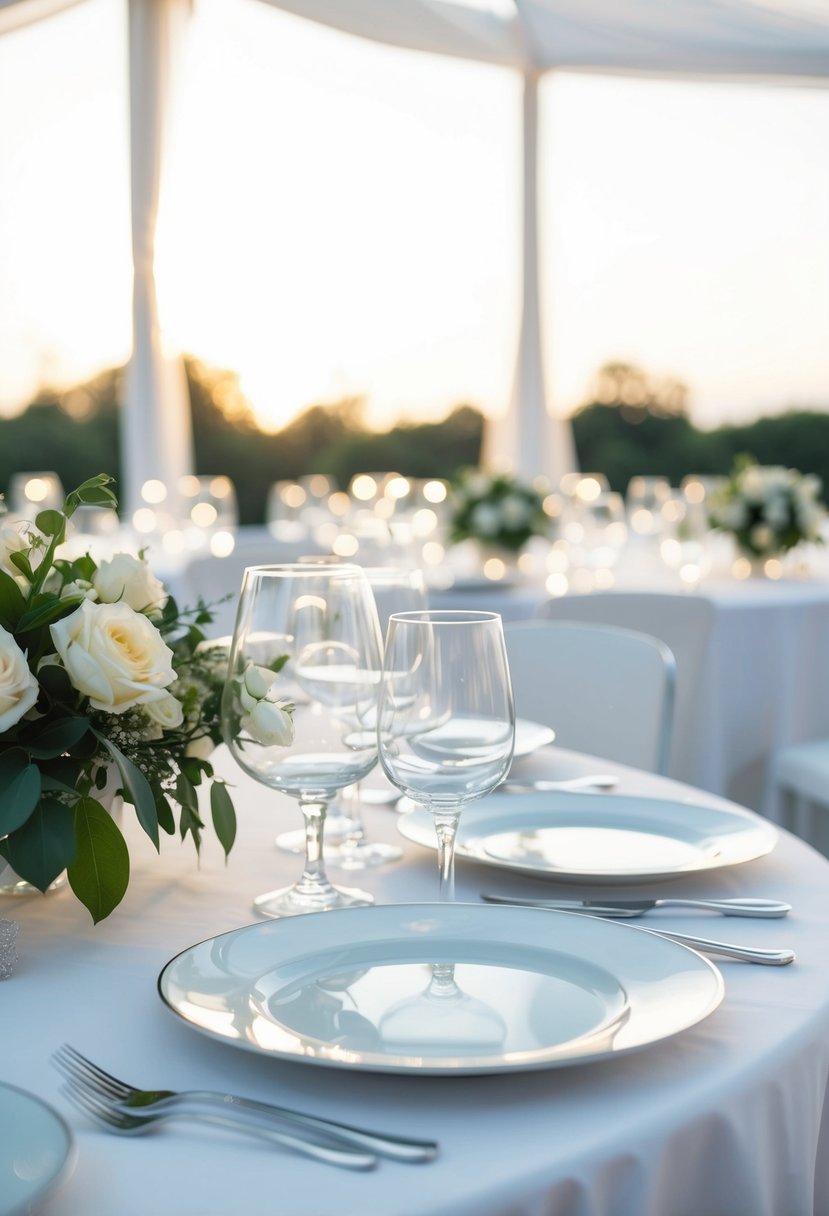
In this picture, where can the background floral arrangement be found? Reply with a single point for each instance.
(99, 672)
(495, 509)
(768, 509)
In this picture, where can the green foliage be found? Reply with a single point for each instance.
(76, 432)
(636, 426)
(58, 744)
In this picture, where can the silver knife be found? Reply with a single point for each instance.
(626, 908)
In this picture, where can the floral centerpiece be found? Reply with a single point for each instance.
(100, 672)
(768, 509)
(496, 509)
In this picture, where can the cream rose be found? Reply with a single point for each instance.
(270, 724)
(167, 712)
(114, 656)
(18, 687)
(129, 580)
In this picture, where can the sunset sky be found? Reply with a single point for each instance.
(342, 218)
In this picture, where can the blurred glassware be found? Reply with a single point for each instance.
(210, 514)
(29, 493)
(697, 488)
(284, 511)
(583, 487)
(685, 544)
(644, 499)
(299, 708)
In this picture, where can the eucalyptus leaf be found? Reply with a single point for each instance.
(100, 874)
(51, 523)
(136, 789)
(45, 742)
(12, 602)
(21, 789)
(166, 819)
(44, 845)
(224, 816)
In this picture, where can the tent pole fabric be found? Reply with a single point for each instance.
(156, 432)
(16, 14)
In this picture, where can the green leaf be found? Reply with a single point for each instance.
(189, 820)
(92, 492)
(44, 845)
(101, 871)
(45, 609)
(136, 789)
(224, 816)
(56, 737)
(12, 602)
(21, 788)
(51, 523)
(21, 561)
(166, 819)
(54, 681)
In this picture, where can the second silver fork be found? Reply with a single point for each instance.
(121, 1096)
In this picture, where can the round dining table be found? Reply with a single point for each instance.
(723, 1119)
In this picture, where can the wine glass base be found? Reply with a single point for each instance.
(362, 856)
(337, 829)
(291, 902)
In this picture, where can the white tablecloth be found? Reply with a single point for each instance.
(723, 1120)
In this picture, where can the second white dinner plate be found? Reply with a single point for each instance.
(440, 988)
(36, 1150)
(587, 837)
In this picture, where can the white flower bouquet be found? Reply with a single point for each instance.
(99, 671)
(495, 509)
(768, 509)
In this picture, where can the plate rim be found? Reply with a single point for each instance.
(63, 1168)
(424, 1069)
(587, 876)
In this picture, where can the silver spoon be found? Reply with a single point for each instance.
(623, 908)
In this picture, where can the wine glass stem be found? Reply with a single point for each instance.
(446, 827)
(314, 874)
(354, 811)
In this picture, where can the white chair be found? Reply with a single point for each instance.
(605, 691)
(800, 773)
(683, 622)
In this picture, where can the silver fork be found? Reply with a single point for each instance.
(123, 1098)
(123, 1124)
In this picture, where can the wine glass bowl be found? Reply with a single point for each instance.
(299, 703)
(446, 720)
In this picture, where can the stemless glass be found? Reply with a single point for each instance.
(446, 720)
(300, 702)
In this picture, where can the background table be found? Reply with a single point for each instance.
(724, 1119)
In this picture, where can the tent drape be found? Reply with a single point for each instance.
(156, 435)
(15, 14)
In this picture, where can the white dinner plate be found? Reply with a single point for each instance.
(355, 988)
(530, 736)
(585, 837)
(36, 1150)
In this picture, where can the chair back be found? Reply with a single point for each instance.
(604, 690)
(684, 622)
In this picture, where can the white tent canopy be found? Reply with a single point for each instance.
(706, 39)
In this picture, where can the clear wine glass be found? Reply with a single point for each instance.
(395, 590)
(446, 720)
(446, 733)
(300, 702)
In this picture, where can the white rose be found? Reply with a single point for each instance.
(734, 515)
(776, 512)
(18, 687)
(80, 587)
(167, 712)
(129, 580)
(477, 485)
(13, 541)
(270, 724)
(485, 519)
(201, 748)
(114, 656)
(515, 511)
